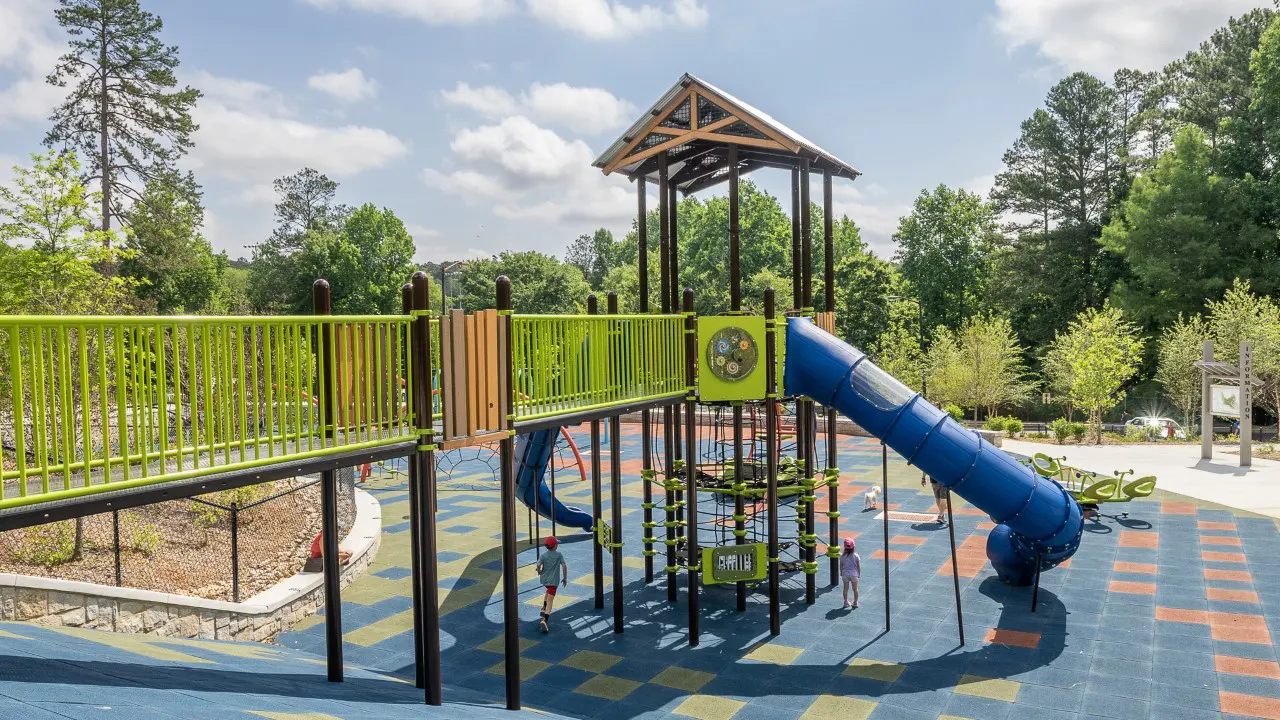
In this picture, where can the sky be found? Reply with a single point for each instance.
(476, 121)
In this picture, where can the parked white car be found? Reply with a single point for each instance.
(1165, 427)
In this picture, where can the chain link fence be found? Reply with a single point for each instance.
(228, 545)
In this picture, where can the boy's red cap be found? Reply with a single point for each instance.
(551, 543)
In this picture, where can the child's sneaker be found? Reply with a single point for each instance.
(847, 605)
(542, 623)
(855, 604)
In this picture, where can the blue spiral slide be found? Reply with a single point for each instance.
(533, 454)
(1035, 517)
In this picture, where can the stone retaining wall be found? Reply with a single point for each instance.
(49, 601)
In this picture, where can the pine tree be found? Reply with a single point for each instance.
(123, 113)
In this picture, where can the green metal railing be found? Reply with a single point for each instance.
(574, 363)
(89, 404)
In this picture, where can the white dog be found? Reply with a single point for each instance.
(871, 499)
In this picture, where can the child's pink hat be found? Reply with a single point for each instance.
(848, 543)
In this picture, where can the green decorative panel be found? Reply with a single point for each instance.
(734, 563)
(731, 358)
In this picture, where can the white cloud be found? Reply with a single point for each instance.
(1102, 36)
(348, 86)
(609, 20)
(876, 216)
(431, 12)
(524, 171)
(29, 48)
(595, 19)
(581, 109)
(980, 184)
(249, 134)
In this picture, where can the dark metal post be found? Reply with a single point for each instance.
(615, 488)
(771, 457)
(321, 304)
(673, 207)
(235, 551)
(1035, 589)
(691, 467)
(884, 498)
(669, 437)
(415, 482)
(507, 451)
(597, 512)
(735, 306)
(810, 418)
(796, 261)
(115, 530)
(646, 432)
(829, 281)
(427, 610)
(955, 569)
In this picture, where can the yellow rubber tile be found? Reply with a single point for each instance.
(607, 687)
(833, 707)
(252, 652)
(709, 707)
(874, 669)
(591, 661)
(992, 688)
(134, 644)
(528, 668)
(12, 636)
(679, 678)
(775, 654)
(498, 645)
(376, 632)
(270, 715)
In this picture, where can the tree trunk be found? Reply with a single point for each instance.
(105, 154)
(78, 548)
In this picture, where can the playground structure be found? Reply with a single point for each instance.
(102, 414)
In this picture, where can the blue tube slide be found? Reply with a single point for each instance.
(533, 454)
(1035, 517)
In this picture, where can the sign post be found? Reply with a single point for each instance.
(1206, 404)
(734, 563)
(1246, 404)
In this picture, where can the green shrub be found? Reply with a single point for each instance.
(1061, 430)
(955, 411)
(1038, 436)
(1012, 426)
(1079, 430)
(208, 516)
(48, 545)
(996, 423)
(1133, 433)
(139, 534)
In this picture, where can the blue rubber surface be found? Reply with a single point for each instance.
(533, 452)
(1035, 516)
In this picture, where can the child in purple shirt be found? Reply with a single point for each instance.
(850, 571)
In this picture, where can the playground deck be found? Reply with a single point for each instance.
(1170, 613)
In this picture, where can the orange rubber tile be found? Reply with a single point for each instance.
(1244, 666)
(1137, 539)
(1248, 705)
(1245, 596)
(1232, 575)
(969, 510)
(1065, 564)
(1219, 540)
(971, 557)
(1016, 638)
(1235, 627)
(986, 525)
(907, 540)
(893, 555)
(1199, 617)
(1133, 588)
(1206, 525)
(1178, 508)
(1131, 567)
(1210, 556)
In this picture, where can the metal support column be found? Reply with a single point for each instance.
(691, 467)
(321, 304)
(597, 512)
(426, 614)
(615, 487)
(771, 456)
(507, 453)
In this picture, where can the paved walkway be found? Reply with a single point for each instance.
(1179, 469)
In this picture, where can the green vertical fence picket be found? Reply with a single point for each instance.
(573, 363)
(89, 404)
